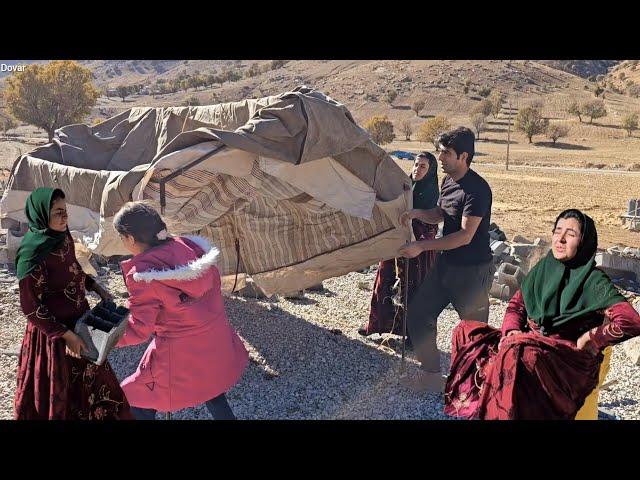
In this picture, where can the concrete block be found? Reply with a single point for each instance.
(250, 290)
(9, 223)
(499, 247)
(510, 275)
(522, 250)
(501, 292)
(616, 265)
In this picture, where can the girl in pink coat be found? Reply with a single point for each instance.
(174, 295)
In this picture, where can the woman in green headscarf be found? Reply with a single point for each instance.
(384, 317)
(54, 382)
(546, 360)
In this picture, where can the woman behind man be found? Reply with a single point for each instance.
(384, 317)
(174, 295)
(54, 382)
(546, 360)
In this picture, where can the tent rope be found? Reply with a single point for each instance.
(237, 247)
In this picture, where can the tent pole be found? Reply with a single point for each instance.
(180, 171)
(405, 306)
(405, 294)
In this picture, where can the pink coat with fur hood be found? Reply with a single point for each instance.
(174, 295)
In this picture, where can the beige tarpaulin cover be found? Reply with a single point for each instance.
(292, 177)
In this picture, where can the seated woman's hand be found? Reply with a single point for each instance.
(586, 344)
(510, 333)
(75, 345)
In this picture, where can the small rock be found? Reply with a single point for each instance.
(316, 288)
(295, 295)
(520, 239)
(632, 349)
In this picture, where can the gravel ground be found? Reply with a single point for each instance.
(307, 359)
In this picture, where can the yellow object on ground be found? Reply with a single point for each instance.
(589, 410)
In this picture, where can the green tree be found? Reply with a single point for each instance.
(574, 109)
(191, 101)
(275, 64)
(630, 122)
(123, 91)
(52, 95)
(530, 121)
(266, 67)
(496, 98)
(432, 128)
(485, 107)
(7, 123)
(633, 90)
(556, 131)
(594, 109)
(193, 82)
(381, 129)
(484, 92)
(253, 70)
(390, 96)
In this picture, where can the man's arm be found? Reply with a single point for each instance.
(433, 216)
(448, 242)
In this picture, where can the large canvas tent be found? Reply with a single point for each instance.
(289, 182)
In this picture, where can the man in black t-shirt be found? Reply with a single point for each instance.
(463, 272)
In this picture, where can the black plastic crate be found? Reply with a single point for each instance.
(100, 328)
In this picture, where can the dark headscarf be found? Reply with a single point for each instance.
(39, 240)
(425, 191)
(556, 293)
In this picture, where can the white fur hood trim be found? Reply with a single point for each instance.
(191, 271)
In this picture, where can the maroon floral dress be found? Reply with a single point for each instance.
(531, 377)
(51, 384)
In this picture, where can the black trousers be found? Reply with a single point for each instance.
(218, 407)
(466, 287)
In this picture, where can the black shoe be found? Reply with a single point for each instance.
(363, 331)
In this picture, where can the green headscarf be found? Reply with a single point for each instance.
(556, 293)
(425, 191)
(39, 240)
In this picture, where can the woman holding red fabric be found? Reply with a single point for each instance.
(545, 361)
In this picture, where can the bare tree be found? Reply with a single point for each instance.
(406, 129)
(418, 106)
(479, 121)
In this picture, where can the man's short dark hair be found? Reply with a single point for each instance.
(460, 140)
